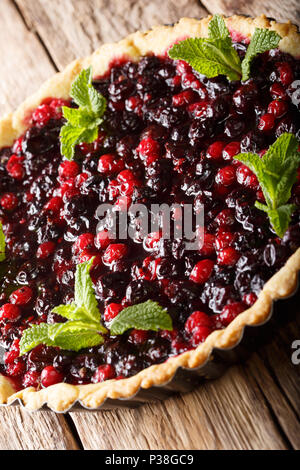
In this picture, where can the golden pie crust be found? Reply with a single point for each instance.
(60, 397)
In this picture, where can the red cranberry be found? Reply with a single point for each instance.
(42, 114)
(17, 147)
(51, 376)
(85, 241)
(266, 122)
(230, 150)
(190, 81)
(102, 240)
(112, 311)
(230, 312)
(21, 296)
(224, 240)
(151, 241)
(15, 168)
(214, 151)
(277, 108)
(45, 250)
(114, 252)
(54, 204)
(277, 92)
(138, 336)
(68, 169)
(249, 299)
(225, 218)
(13, 353)
(31, 379)
(226, 176)
(87, 256)
(9, 201)
(208, 247)
(202, 271)
(16, 369)
(200, 334)
(183, 67)
(108, 164)
(197, 319)
(228, 257)
(149, 150)
(246, 177)
(10, 312)
(105, 372)
(184, 98)
(286, 75)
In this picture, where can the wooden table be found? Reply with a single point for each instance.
(255, 405)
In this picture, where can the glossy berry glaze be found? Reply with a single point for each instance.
(170, 135)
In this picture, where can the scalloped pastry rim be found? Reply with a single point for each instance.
(60, 397)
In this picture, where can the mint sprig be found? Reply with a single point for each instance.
(2, 243)
(276, 172)
(148, 315)
(84, 320)
(83, 328)
(217, 56)
(82, 122)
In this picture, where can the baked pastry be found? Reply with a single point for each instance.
(169, 135)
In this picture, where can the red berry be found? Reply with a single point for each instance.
(45, 250)
(198, 109)
(183, 67)
(17, 147)
(202, 271)
(230, 312)
(285, 74)
(105, 372)
(108, 164)
(112, 311)
(125, 176)
(87, 256)
(225, 218)
(184, 98)
(228, 257)
(122, 203)
(214, 151)
(277, 92)
(133, 102)
(68, 169)
(113, 189)
(200, 334)
(102, 239)
(16, 369)
(42, 115)
(208, 248)
(246, 177)
(197, 319)
(224, 240)
(13, 353)
(114, 252)
(31, 379)
(80, 179)
(149, 150)
(277, 108)
(85, 241)
(226, 176)
(230, 150)
(249, 299)
(138, 336)
(51, 376)
(266, 122)
(21, 296)
(9, 201)
(16, 171)
(151, 241)
(10, 312)
(54, 204)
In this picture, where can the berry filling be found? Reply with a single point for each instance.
(169, 136)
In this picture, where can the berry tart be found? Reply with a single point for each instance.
(205, 112)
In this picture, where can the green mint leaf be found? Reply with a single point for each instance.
(261, 41)
(211, 58)
(279, 218)
(33, 336)
(69, 137)
(74, 335)
(71, 312)
(2, 243)
(145, 316)
(82, 122)
(84, 293)
(276, 172)
(217, 29)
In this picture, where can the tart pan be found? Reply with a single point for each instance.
(186, 380)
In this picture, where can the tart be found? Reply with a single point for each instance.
(169, 135)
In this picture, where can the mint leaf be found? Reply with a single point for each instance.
(145, 316)
(2, 243)
(74, 335)
(276, 172)
(261, 41)
(217, 29)
(211, 58)
(82, 122)
(33, 336)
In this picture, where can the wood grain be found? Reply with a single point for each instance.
(227, 414)
(24, 62)
(84, 25)
(281, 10)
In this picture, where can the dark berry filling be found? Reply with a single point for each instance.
(169, 136)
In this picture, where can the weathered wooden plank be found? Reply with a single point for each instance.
(24, 62)
(34, 431)
(227, 414)
(278, 9)
(83, 25)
